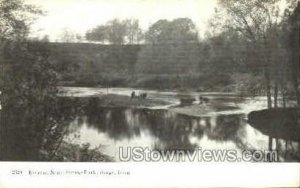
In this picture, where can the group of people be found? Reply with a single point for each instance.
(140, 96)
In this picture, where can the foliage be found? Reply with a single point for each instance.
(181, 30)
(15, 17)
(117, 32)
(69, 36)
(28, 86)
(293, 46)
(97, 34)
(75, 153)
(28, 75)
(260, 24)
(134, 32)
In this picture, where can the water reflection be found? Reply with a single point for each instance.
(23, 136)
(160, 130)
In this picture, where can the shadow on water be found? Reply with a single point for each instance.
(281, 124)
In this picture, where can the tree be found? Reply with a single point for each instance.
(114, 31)
(158, 32)
(184, 30)
(293, 44)
(259, 23)
(15, 18)
(67, 36)
(97, 34)
(17, 60)
(181, 30)
(28, 84)
(117, 32)
(45, 38)
(134, 33)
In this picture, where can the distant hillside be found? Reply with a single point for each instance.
(152, 66)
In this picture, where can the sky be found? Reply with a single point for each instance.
(78, 16)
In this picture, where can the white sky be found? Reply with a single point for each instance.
(81, 15)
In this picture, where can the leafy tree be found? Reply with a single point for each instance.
(23, 68)
(97, 34)
(293, 44)
(134, 33)
(259, 23)
(158, 32)
(117, 32)
(15, 18)
(28, 85)
(181, 30)
(184, 30)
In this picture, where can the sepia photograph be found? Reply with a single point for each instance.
(170, 81)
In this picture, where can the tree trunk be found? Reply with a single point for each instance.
(270, 143)
(296, 85)
(276, 95)
(283, 91)
(268, 86)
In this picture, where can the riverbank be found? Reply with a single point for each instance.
(156, 85)
(120, 97)
(113, 100)
(241, 84)
(119, 101)
(198, 110)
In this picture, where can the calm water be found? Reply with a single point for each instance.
(160, 129)
(79, 118)
(163, 130)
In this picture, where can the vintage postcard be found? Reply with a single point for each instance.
(148, 93)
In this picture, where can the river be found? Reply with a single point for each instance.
(162, 129)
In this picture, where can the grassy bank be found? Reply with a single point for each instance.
(69, 152)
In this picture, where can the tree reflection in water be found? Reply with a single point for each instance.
(33, 134)
(168, 130)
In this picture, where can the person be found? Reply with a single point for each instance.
(132, 95)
